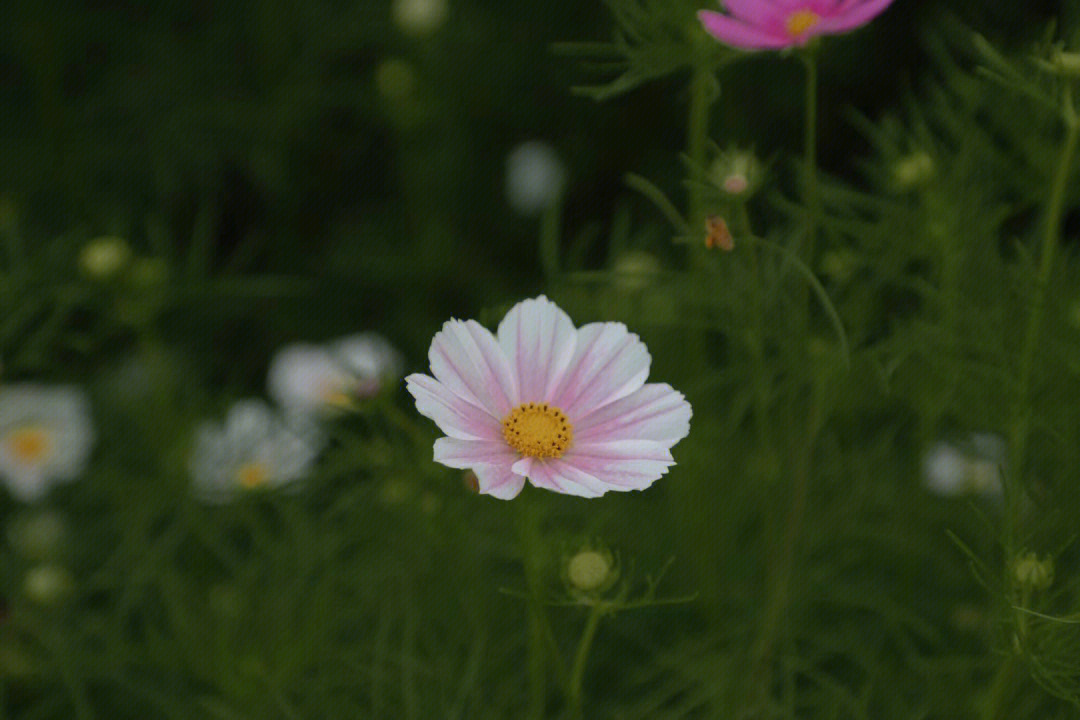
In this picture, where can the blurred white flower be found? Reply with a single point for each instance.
(316, 379)
(913, 169)
(45, 437)
(419, 17)
(254, 448)
(968, 468)
(535, 177)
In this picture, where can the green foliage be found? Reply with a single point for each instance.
(287, 171)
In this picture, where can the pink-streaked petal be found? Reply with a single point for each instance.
(856, 15)
(498, 481)
(523, 466)
(625, 464)
(609, 363)
(463, 454)
(740, 35)
(454, 415)
(546, 474)
(655, 412)
(755, 12)
(538, 338)
(466, 358)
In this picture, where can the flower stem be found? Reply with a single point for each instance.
(702, 95)
(577, 672)
(811, 201)
(1051, 235)
(529, 530)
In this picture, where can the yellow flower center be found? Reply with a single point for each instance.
(538, 430)
(252, 475)
(337, 399)
(29, 444)
(801, 21)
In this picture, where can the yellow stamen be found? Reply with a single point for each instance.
(337, 399)
(252, 475)
(801, 21)
(30, 444)
(538, 430)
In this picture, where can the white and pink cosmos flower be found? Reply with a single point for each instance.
(778, 24)
(566, 408)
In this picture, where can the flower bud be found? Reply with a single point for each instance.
(912, 170)
(1033, 573)
(737, 173)
(48, 584)
(103, 257)
(589, 571)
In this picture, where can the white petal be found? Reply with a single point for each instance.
(498, 481)
(466, 358)
(463, 454)
(609, 363)
(655, 411)
(538, 338)
(454, 415)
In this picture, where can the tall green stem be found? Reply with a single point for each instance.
(577, 672)
(702, 94)
(811, 199)
(529, 531)
(1051, 234)
(1005, 681)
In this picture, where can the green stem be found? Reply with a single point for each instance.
(529, 529)
(702, 94)
(1007, 678)
(577, 672)
(780, 583)
(811, 201)
(1051, 236)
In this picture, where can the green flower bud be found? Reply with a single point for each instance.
(1034, 573)
(48, 584)
(590, 571)
(104, 257)
(913, 170)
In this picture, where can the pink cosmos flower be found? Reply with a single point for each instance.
(776, 24)
(568, 408)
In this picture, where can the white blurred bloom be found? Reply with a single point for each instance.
(45, 437)
(48, 584)
(254, 448)
(419, 17)
(970, 468)
(535, 177)
(314, 379)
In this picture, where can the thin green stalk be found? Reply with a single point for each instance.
(577, 672)
(529, 530)
(702, 95)
(1005, 681)
(1051, 236)
(811, 200)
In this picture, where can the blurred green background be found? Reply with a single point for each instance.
(290, 171)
